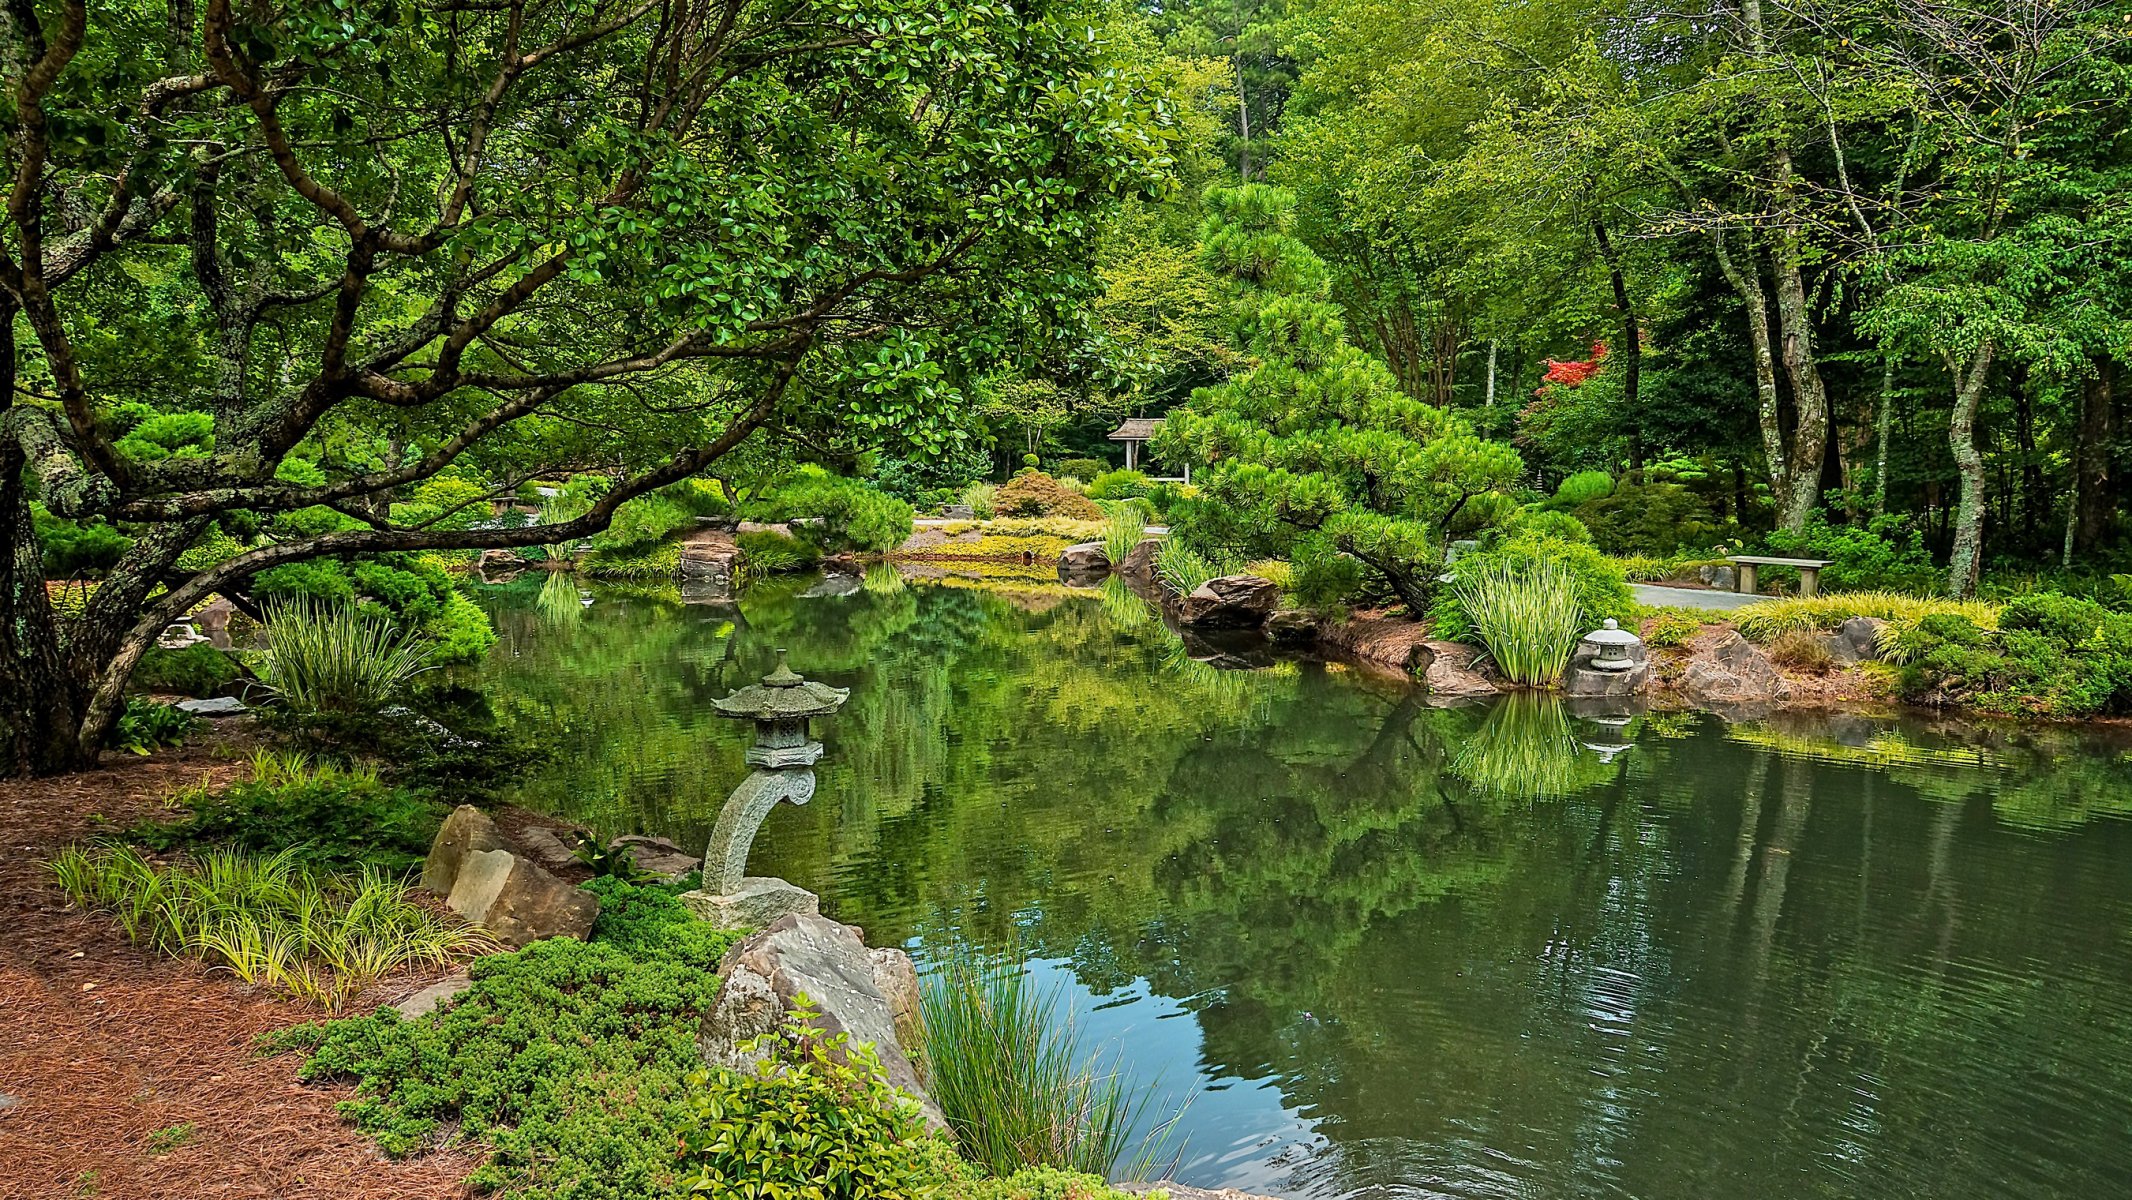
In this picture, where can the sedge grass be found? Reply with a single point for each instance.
(1528, 616)
(1126, 526)
(325, 657)
(265, 920)
(1182, 569)
(1766, 620)
(1006, 1072)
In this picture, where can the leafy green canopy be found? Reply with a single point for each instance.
(1314, 454)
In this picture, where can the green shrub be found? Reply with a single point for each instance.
(1596, 580)
(1034, 494)
(1583, 488)
(980, 498)
(1886, 555)
(1546, 523)
(1670, 627)
(1648, 518)
(657, 560)
(326, 657)
(853, 515)
(75, 549)
(145, 725)
(816, 1120)
(2053, 655)
(2067, 619)
(768, 552)
(1119, 485)
(571, 1060)
(442, 739)
(414, 590)
(1527, 614)
(1006, 1071)
(1083, 469)
(265, 920)
(323, 816)
(196, 670)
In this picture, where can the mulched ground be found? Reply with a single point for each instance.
(127, 1075)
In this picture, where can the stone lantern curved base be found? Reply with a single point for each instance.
(760, 900)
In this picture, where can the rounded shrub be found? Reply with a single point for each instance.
(1583, 487)
(1035, 494)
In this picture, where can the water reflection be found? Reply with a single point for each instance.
(1404, 951)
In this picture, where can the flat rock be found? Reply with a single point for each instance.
(657, 856)
(1230, 601)
(435, 996)
(517, 900)
(1727, 670)
(761, 901)
(1452, 669)
(464, 832)
(1084, 559)
(855, 991)
(546, 847)
(220, 706)
(1291, 625)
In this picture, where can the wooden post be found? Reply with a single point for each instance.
(1130, 447)
(1746, 581)
(1809, 580)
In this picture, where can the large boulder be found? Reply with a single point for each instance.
(1230, 602)
(1728, 671)
(465, 832)
(1452, 670)
(657, 856)
(869, 995)
(518, 900)
(1086, 558)
(1291, 625)
(1139, 562)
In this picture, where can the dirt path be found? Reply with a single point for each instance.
(130, 1076)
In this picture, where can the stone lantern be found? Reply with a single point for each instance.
(1611, 644)
(1608, 661)
(783, 755)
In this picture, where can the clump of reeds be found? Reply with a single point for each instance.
(1529, 617)
(265, 920)
(1181, 568)
(979, 498)
(326, 657)
(1125, 526)
(1006, 1072)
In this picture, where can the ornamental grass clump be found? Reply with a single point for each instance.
(1126, 527)
(267, 921)
(327, 657)
(1528, 616)
(1765, 620)
(1181, 568)
(1006, 1073)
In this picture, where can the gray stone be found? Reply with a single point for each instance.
(1840, 650)
(545, 847)
(518, 901)
(657, 856)
(834, 585)
(1730, 671)
(7, 1101)
(500, 562)
(708, 561)
(958, 512)
(467, 830)
(434, 997)
(765, 527)
(1291, 625)
(1452, 669)
(220, 706)
(1723, 578)
(1085, 558)
(1863, 634)
(1178, 1191)
(1230, 602)
(854, 991)
(759, 902)
(1140, 560)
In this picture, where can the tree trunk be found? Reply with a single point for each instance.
(1768, 410)
(2032, 497)
(1965, 559)
(1809, 435)
(1631, 349)
(2091, 457)
(1883, 423)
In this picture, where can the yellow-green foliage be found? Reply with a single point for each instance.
(1649, 568)
(267, 921)
(1764, 621)
(1668, 626)
(1277, 570)
(1039, 538)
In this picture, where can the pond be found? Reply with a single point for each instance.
(1392, 950)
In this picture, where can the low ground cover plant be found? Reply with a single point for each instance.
(1670, 626)
(196, 670)
(1765, 620)
(2050, 655)
(267, 920)
(322, 815)
(146, 725)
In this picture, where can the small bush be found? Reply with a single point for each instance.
(1119, 485)
(196, 670)
(265, 921)
(325, 817)
(1670, 627)
(1181, 568)
(1039, 495)
(768, 552)
(1648, 518)
(1802, 649)
(326, 657)
(980, 498)
(1527, 615)
(1081, 468)
(145, 725)
(2067, 619)
(853, 515)
(1582, 488)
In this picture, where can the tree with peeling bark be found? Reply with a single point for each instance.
(368, 245)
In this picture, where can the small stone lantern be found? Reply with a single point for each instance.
(783, 756)
(1611, 645)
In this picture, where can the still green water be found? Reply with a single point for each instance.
(1390, 950)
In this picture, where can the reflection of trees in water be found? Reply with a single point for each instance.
(1702, 964)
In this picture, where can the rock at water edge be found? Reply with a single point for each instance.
(464, 832)
(514, 899)
(1230, 602)
(1087, 558)
(1728, 670)
(1452, 670)
(657, 856)
(761, 901)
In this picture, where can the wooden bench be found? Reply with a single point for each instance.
(1809, 570)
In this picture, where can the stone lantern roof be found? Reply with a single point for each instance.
(783, 696)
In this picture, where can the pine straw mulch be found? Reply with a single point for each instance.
(107, 1052)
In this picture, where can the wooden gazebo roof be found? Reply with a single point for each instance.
(1136, 429)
